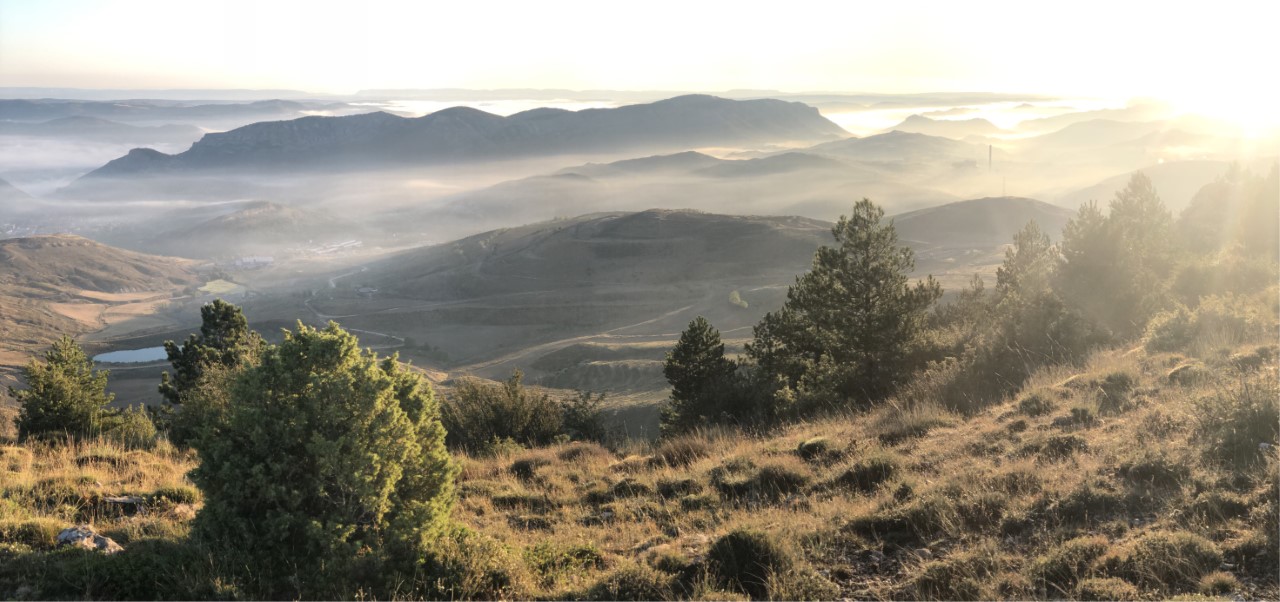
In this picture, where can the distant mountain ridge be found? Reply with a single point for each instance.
(949, 128)
(46, 109)
(462, 134)
(86, 127)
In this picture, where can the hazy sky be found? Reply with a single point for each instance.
(1218, 51)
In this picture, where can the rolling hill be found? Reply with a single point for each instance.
(947, 128)
(255, 227)
(465, 134)
(64, 284)
(978, 223)
(903, 147)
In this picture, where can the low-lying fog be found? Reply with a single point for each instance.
(1062, 151)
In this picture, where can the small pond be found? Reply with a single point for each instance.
(132, 356)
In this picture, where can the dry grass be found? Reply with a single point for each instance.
(893, 502)
(62, 484)
(905, 501)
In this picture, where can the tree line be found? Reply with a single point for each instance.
(855, 328)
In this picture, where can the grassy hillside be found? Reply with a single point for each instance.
(68, 284)
(1136, 475)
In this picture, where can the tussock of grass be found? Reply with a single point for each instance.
(1169, 561)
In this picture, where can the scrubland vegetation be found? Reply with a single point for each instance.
(1102, 424)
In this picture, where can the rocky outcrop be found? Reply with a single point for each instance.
(83, 536)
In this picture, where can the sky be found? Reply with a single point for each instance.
(1208, 57)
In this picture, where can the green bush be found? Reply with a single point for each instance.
(550, 560)
(64, 394)
(465, 565)
(326, 454)
(132, 428)
(745, 561)
(478, 413)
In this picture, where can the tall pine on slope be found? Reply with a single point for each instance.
(701, 378)
(849, 325)
(1116, 267)
(64, 394)
(202, 368)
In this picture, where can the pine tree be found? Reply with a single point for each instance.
(325, 454)
(202, 369)
(1115, 268)
(848, 325)
(64, 394)
(700, 377)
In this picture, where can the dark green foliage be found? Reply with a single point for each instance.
(847, 330)
(745, 560)
(465, 565)
(132, 427)
(477, 413)
(325, 451)
(701, 378)
(203, 367)
(584, 417)
(64, 394)
(549, 560)
(996, 341)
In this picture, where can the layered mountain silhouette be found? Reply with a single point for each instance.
(96, 128)
(145, 110)
(463, 134)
